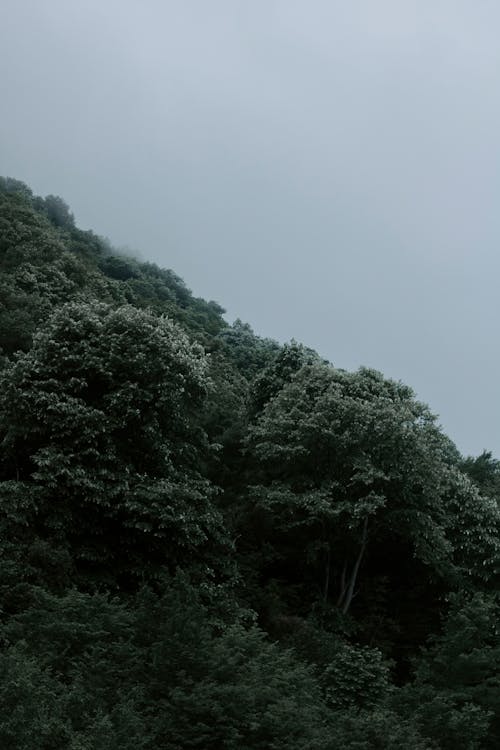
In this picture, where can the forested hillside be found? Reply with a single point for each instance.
(210, 540)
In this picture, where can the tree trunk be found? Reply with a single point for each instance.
(347, 591)
(342, 584)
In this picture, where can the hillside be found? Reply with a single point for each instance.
(210, 540)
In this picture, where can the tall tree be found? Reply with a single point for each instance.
(100, 431)
(346, 461)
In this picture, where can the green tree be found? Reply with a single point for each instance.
(280, 371)
(161, 670)
(101, 439)
(484, 470)
(38, 272)
(248, 352)
(58, 212)
(455, 696)
(379, 729)
(472, 522)
(30, 705)
(346, 461)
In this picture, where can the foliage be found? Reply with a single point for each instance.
(272, 378)
(473, 526)
(457, 679)
(211, 540)
(100, 430)
(248, 352)
(173, 673)
(347, 463)
(484, 470)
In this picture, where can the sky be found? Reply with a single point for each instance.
(327, 171)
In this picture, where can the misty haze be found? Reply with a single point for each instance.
(249, 477)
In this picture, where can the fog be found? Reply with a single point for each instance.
(327, 171)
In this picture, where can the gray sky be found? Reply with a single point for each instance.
(328, 171)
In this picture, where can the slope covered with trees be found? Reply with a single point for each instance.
(210, 540)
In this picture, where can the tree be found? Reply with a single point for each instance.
(472, 522)
(280, 371)
(455, 696)
(31, 704)
(102, 445)
(248, 352)
(58, 212)
(161, 670)
(343, 461)
(38, 273)
(484, 470)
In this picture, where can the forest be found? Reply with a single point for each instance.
(212, 540)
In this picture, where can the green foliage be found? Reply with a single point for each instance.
(119, 268)
(209, 540)
(271, 379)
(356, 677)
(100, 429)
(162, 673)
(250, 695)
(37, 273)
(473, 526)
(248, 352)
(147, 286)
(46, 261)
(58, 212)
(380, 729)
(16, 187)
(484, 470)
(30, 705)
(347, 463)
(456, 692)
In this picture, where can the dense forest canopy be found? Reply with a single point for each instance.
(212, 540)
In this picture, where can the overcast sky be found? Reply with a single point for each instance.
(328, 171)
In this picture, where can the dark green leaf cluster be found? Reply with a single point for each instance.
(210, 540)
